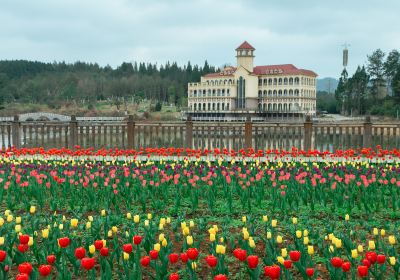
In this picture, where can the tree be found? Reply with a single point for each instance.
(391, 66)
(358, 89)
(158, 107)
(341, 92)
(376, 71)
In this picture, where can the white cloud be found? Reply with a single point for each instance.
(308, 33)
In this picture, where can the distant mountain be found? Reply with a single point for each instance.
(327, 84)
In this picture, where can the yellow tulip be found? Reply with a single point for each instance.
(18, 220)
(114, 229)
(189, 240)
(212, 237)
(244, 219)
(146, 223)
(45, 233)
(164, 243)
(269, 235)
(104, 242)
(221, 240)
(149, 216)
(305, 232)
(265, 218)
(360, 248)
(330, 236)
(61, 226)
(298, 233)
(220, 249)
(157, 247)
(191, 224)
(10, 218)
(17, 228)
(126, 256)
(128, 216)
(161, 237)
(274, 223)
(279, 239)
(280, 259)
(331, 249)
(74, 223)
(383, 232)
(186, 231)
(392, 261)
(92, 249)
(1, 240)
(306, 240)
(88, 225)
(354, 253)
(90, 218)
(310, 249)
(194, 265)
(294, 220)
(211, 231)
(252, 244)
(284, 252)
(32, 210)
(246, 234)
(1, 222)
(7, 212)
(168, 220)
(109, 233)
(136, 219)
(338, 243)
(347, 217)
(392, 240)
(375, 231)
(371, 245)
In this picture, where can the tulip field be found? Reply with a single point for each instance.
(179, 214)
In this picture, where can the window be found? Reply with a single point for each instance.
(209, 106)
(285, 81)
(195, 107)
(241, 91)
(275, 81)
(209, 92)
(280, 81)
(227, 106)
(223, 106)
(270, 82)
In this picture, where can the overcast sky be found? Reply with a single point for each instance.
(308, 33)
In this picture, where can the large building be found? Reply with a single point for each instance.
(261, 92)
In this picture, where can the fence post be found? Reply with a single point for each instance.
(308, 124)
(131, 132)
(189, 132)
(73, 133)
(367, 137)
(15, 132)
(248, 135)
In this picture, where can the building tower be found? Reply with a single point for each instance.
(245, 56)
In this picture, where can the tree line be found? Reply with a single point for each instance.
(374, 88)
(60, 82)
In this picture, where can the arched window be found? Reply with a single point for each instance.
(209, 106)
(296, 81)
(217, 106)
(259, 94)
(223, 92)
(227, 92)
(290, 81)
(285, 92)
(280, 92)
(274, 107)
(290, 107)
(270, 92)
(204, 93)
(280, 81)
(290, 92)
(260, 82)
(213, 92)
(285, 107)
(265, 82)
(225, 81)
(280, 107)
(275, 81)
(223, 106)
(227, 106)
(195, 93)
(230, 82)
(218, 92)
(270, 82)
(285, 81)
(209, 92)
(259, 107)
(269, 107)
(264, 107)
(275, 92)
(265, 93)
(296, 92)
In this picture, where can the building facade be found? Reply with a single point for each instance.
(260, 92)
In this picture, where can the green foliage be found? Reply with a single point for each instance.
(158, 107)
(326, 102)
(37, 82)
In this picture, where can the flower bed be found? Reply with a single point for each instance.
(197, 219)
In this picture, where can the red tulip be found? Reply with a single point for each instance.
(127, 248)
(3, 255)
(87, 263)
(145, 261)
(252, 261)
(63, 242)
(45, 270)
(104, 252)
(362, 271)
(80, 253)
(294, 256)
(173, 258)
(25, 268)
(184, 257)
(366, 262)
(51, 259)
(220, 277)
(336, 262)
(24, 239)
(174, 276)
(137, 239)
(22, 276)
(273, 272)
(240, 254)
(287, 264)
(310, 272)
(211, 261)
(153, 254)
(371, 256)
(98, 244)
(192, 253)
(346, 266)
(23, 248)
(381, 259)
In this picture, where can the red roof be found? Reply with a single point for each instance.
(283, 69)
(245, 46)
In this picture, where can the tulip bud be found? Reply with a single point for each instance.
(212, 237)
(294, 220)
(92, 249)
(347, 217)
(157, 247)
(269, 235)
(189, 240)
(114, 229)
(360, 248)
(1, 241)
(375, 231)
(126, 256)
(354, 253)
(161, 237)
(17, 228)
(310, 250)
(383, 232)
(88, 225)
(90, 218)
(371, 244)
(392, 240)
(10, 218)
(284, 252)
(274, 223)
(103, 213)
(164, 243)
(128, 216)
(392, 261)
(298, 233)
(32, 210)
(149, 216)
(265, 218)
(191, 224)
(280, 259)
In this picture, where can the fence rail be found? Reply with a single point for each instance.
(128, 134)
